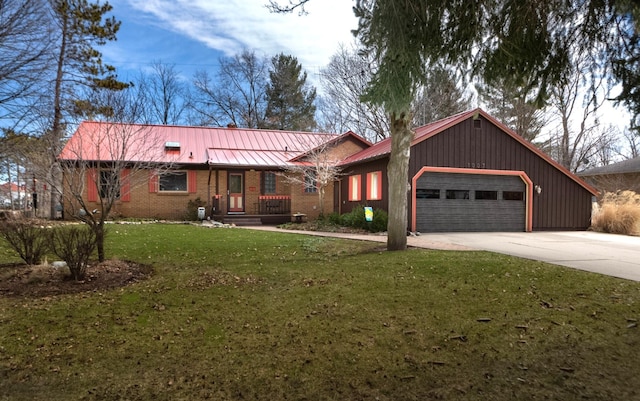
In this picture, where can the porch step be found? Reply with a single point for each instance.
(242, 220)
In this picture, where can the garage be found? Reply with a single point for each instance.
(469, 172)
(466, 200)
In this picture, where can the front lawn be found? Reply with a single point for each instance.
(235, 314)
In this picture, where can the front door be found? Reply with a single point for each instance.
(236, 192)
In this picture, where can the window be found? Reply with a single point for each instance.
(268, 182)
(457, 194)
(487, 195)
(109, 182)
(427, 193)
(310, 183)
(354, 188)
(374, 185)
(175, 181)
(513, 195)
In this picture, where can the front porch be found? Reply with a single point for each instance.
(255, 196)
(269, 209)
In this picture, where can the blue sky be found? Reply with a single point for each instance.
(193, 34)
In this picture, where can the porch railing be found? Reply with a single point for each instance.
(274, 204)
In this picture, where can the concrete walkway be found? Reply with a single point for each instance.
(610, 254)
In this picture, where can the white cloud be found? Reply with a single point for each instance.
(232, 25)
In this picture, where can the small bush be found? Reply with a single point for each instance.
(619, 213)
(333, 218)
(192, 208)
(26, 237)
(74, 245)
(356, 219)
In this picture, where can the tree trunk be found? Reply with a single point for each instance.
(321, 201)
(55, 175)
(99, 231)
(398, 176)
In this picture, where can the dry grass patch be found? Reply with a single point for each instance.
(619, 213)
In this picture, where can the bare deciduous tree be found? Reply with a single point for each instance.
(25, 41)
(236, 95)
(109, 159)
(575, 104)
(166, 96)
(316, 169)
(632, 142)
(344, 80)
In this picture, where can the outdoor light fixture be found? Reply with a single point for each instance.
(538, 189)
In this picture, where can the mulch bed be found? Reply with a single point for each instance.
(20, 280)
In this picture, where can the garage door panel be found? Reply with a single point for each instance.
(470, 181)
(450, 215)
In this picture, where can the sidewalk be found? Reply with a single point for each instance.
(416, 242)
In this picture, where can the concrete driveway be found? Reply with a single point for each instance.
(610, 254)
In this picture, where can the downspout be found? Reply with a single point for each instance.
(217, 182)
(209, 189)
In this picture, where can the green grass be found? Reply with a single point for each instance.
(234, 314)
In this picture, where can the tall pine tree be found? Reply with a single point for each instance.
(80, 26)
(290, 100)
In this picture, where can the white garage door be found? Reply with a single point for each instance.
(448, 202)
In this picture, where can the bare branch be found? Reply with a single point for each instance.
(235, 95)
(109, 160)
(344, 81)
(275, 7)
(317, 169)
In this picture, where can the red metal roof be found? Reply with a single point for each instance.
(98, 141)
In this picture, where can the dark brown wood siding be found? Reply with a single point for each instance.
(345, 206)
(562, 204)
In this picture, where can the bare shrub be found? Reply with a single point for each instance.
(619, 214)
(74, 245)
(27, 237)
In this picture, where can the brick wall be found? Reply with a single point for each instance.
(345, 149)
(309, 203)
(145, 201)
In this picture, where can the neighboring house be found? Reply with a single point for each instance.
(469, 172)
(624, 175)
(12, 194)
(235, 172)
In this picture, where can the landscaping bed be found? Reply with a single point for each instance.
(46, 280)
